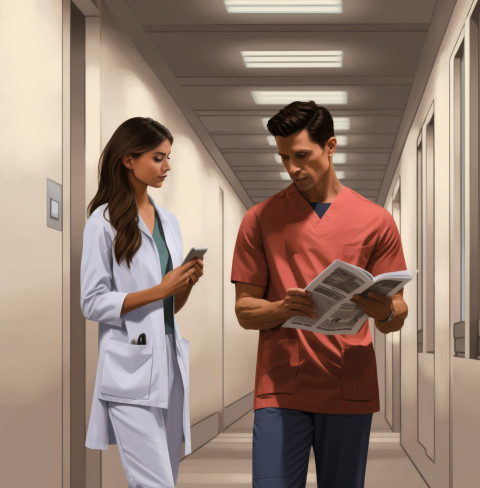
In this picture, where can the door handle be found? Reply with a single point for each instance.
(459, 339)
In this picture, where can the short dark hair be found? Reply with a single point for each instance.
(303, 115)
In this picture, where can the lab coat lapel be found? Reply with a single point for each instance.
(143, 227)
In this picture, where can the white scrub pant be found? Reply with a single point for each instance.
(149, 438)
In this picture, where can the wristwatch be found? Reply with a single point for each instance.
(390, 317)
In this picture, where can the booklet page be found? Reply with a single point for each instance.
(332, 291)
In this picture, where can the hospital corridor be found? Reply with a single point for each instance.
(91, 330)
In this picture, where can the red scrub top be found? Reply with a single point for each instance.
(281, 244)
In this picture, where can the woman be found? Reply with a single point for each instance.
(132, 283)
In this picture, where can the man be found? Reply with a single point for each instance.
(312, 389)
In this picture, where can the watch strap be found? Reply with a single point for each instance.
(390, 317)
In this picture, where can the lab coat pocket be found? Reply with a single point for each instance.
(127, 370)
(359, 373)
(357, 255)
(185, 353)
(278, 366)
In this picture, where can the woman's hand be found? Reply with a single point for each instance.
(195, 273)
(178, 282)
(181, 279)
(197, 270)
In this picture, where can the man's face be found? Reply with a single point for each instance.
(305, 161)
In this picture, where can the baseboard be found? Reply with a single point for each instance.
(237, 410)
(204, 431)
(208, 428)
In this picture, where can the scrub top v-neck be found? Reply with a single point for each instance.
(166, 266)
(320, 208)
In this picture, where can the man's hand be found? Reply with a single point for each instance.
(298, 302)
(379, 308)
(254, 312)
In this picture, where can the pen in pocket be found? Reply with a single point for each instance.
(141, 341)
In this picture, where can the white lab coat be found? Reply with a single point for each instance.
(128, 373)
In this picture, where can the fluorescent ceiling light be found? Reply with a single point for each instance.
(340, 174)
(341, 123)
(293, 59)
(339, 158)
(286, 97)
(284, 6)
(342, 140)
(271, 140)
(278, 159)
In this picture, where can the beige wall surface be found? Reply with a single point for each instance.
(31, 265)
(31, 271)
(240, 345)
(437, 92)
(192, 192)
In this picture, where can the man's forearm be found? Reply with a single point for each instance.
(259, 314)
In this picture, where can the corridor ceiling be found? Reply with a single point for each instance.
(194, 47)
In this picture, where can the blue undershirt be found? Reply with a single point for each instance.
(320, 208)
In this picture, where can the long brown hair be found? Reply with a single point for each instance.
(134, 137)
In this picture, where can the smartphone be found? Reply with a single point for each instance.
(195, 252)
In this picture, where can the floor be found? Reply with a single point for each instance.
(226, 460)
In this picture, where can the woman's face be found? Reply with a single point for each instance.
(150, 168)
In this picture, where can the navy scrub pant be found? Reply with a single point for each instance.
(282, 440)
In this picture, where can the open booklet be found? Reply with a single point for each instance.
(332, 291)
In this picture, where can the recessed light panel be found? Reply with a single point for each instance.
(339, 158)
(286, 97)
(271, 140)
(283, 6)
(341, 123)
(293, 59)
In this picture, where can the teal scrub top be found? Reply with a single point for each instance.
(166, 266)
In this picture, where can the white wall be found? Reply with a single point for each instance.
(435, 472)
(191, 192)
(34, 277)
(31, 264)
